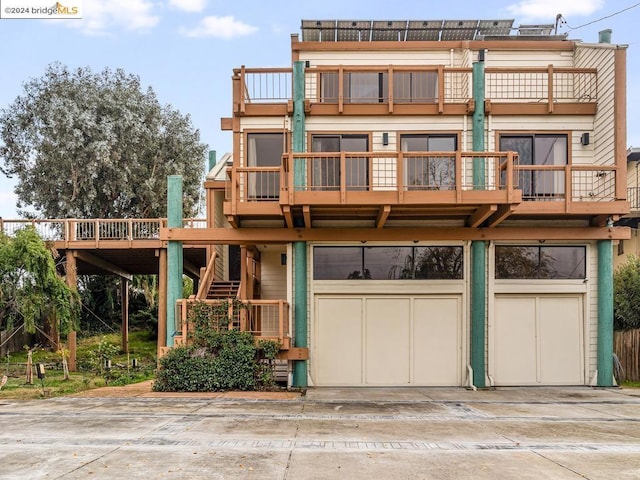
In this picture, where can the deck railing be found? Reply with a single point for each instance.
(72, 229)
(633, 195)
(264, 319)
(417, 84)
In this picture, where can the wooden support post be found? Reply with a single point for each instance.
(162, 299)
(71, 278)
(124, 298)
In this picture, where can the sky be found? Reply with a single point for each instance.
(186, 49)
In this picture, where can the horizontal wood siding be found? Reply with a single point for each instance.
(439, 57)
(592, 309)
(273, 282)
(537, 58)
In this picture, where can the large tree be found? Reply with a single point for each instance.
(97, 145)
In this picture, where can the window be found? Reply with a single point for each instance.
(388, 263)
(415, 87)
(424, 172)
(264, 150)
(358, 87)
(326, 169)
(541, 158)
(540, 262)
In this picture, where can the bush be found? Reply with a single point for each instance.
(626, 295)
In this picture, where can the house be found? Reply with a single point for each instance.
(423, 203)
(627, 248)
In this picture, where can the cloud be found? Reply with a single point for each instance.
(101, 17)
(189, 5)
(219, 27)
(527, 10)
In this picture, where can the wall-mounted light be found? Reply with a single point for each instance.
(385, 138)
(283, 259)
(584, 138)
(307, 64)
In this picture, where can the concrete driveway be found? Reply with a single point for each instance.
(359, 433)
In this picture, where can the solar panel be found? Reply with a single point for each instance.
(535, 29)
(392, 31)
(354, 30)
(424, 30)
(318, 30)
(494, 27)
(459, 30)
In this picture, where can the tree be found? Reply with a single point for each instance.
(30, 289)
(626, 295)
(96, 145)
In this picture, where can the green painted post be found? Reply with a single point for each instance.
(174, 253)
(479, 182)
(300, 310)
(478, 312)
(299, 248)
(212, 159)
(605, 313)
(478, 248)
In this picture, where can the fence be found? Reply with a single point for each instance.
(626, 345)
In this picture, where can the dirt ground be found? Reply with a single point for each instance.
(145, 390)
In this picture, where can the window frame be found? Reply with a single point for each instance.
(538, 267)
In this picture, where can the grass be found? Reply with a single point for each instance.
(90, 374)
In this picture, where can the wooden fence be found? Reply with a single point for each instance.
(626, 345)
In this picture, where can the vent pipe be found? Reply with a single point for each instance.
(604, 36)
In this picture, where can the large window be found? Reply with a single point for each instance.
(326, 169)
(415, 87)
(542, 158)
(429, 172)
(388, 263)
(540, 262)
(264, 150)
(358, 87)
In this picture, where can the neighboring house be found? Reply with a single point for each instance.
(433, 200)
(625, 248)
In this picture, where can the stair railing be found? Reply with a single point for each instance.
(207, 279)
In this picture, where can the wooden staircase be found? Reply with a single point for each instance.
(222, 290)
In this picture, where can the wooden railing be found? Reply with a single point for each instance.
(94, 230)
(264, 319)
(569, 183)
(416, 84)
(206, 278)
(633, 195)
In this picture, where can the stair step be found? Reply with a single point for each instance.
(223, 290)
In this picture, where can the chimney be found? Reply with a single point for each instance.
(604, 36)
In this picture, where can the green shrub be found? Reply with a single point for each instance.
(626, 295)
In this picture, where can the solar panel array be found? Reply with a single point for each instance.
(403, 30)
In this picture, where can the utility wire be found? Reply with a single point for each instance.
(599, 19)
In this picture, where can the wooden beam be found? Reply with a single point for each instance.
(294, 353)
(232, 221)
(124, 297)
(103, 264)
(306, 213)
(162, 299)
(480, 215)
(223, 236)
(602, 220)
(383, 214)
(288, 218)
(503, 212)
(189, 267)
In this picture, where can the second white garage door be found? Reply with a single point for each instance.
(388, 340)
(538, 340)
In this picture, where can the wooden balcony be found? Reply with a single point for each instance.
(264, 319)
(376, 187)
(416, 90)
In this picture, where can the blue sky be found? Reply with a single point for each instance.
(186, 49)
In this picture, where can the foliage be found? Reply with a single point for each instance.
(219, 358)
(97, 145)
(626, 295)
(30, 289)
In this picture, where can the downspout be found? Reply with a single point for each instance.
(605, 313)
(299, 248)
(174, 253)
(478, 248)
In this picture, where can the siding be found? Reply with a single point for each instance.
(450, 58)
(220, 221)
(591, 330)
(519, 58)
(602, 58)
(273, 282)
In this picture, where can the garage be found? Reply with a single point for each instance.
(388, 340)
(537, 340)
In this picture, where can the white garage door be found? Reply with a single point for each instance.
(390, 340)
(538, 340)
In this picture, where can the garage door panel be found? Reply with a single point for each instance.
(515, 341)
(560, 340)
(339, 350)
(436, 341)
(387, 337)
